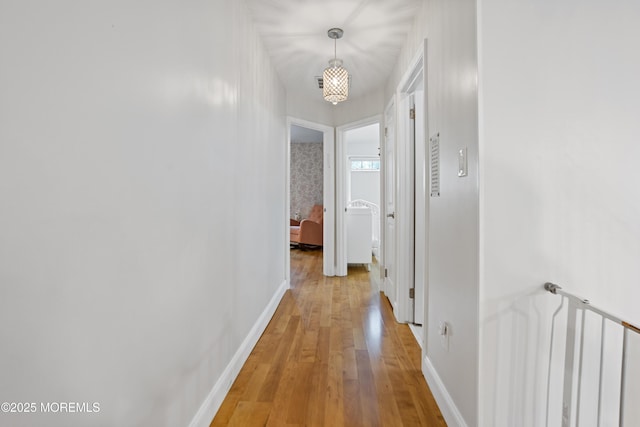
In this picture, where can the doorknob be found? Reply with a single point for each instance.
(391, 215)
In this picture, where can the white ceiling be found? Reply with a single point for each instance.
(295, 35)
(363, 135)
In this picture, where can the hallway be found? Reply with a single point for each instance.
(331, 356)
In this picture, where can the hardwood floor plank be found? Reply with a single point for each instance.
(317, 398)
(309, 346)
(250, 414)
(350, 367)
(332, 355)
(274, 377)
(334, 406)
(386, 400)
(401, 393)
(278, 415)
(351, 403)
(368, 390)
(299, 401)
(359, 342)
(252, 388)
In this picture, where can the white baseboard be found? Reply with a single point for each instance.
(212, 403)
(417, 333)
(447, 406)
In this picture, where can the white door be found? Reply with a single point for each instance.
(389, 209)
(415, 239)
(420, 186)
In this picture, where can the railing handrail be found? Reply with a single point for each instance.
(556, 289)
(578, 303)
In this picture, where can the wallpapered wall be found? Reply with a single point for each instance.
(306, 177)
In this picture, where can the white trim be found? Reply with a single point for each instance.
(389, 111)
(404, 210)
(329, 232)
(329, 201)
(427, 199)
(405, 198)
(482, 290)
(415, 66)
(417, 334)
(212, 403)
(341, 203)
(445, 402)
(287, 204)
(341, 188)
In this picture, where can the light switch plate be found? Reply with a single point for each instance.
(462, 162)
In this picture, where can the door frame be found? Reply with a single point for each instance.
(328, 195)
(341, 187)
(405, 197)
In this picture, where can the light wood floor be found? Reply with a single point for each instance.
(332, 355)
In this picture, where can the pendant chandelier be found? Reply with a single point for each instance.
(335, 78)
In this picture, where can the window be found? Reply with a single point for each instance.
(365, 164)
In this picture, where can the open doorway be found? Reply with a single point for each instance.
(306, 189)
(310, 209)
(359, 196)
(363, 193)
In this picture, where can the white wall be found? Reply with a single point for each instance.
(560, 196)
(137, 144)
(307, 174)
(363, 141)
(453, 228)
(313, 110)
(364, 148)
(413, 43)
(354, 109)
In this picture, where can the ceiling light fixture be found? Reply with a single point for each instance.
(335, 77)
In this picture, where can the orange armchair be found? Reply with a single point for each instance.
(308, 231)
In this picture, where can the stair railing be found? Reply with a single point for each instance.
(570, 403)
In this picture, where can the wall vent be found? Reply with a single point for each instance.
(435, 165)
